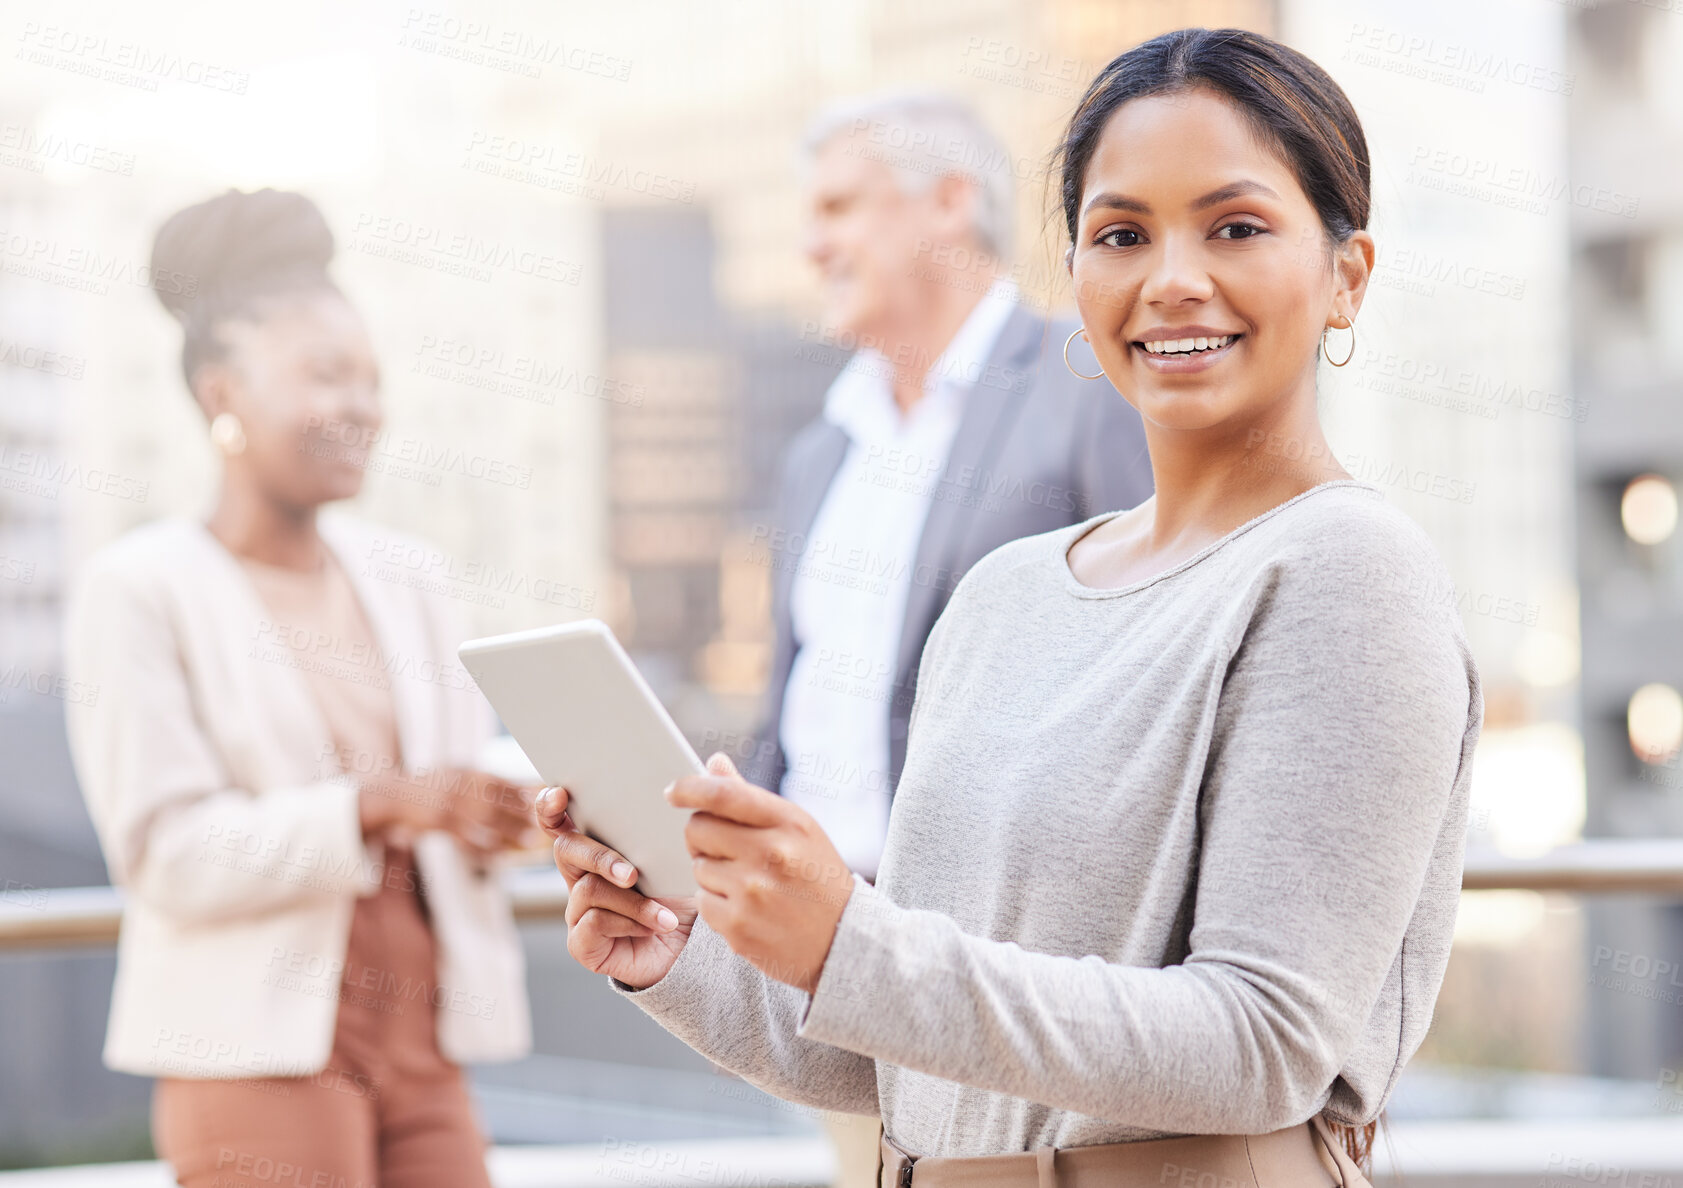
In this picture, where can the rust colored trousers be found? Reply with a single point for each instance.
(388, 1111)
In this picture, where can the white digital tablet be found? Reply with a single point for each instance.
(588, 721)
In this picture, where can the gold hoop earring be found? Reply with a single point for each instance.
(227, 434)
(1081, 330)
(1351, 327)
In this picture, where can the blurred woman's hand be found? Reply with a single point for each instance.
(485, 812)
(772, 884)
(611, 929)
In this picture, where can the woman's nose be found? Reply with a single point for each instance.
(362, 406)
(1177, 274)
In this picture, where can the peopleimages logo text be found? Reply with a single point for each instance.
(1521, 182)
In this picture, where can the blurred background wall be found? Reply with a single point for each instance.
(575, 230)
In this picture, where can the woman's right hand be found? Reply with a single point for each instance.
(486, 813)
(612, 929)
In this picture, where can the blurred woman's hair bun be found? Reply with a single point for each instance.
(211, 261)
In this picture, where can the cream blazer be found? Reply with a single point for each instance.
(211, 778)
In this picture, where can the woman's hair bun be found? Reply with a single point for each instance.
(214, 261)
(214, 255)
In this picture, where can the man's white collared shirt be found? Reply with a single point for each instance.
(848, 600)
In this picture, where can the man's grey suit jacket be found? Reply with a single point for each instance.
(1036, 449)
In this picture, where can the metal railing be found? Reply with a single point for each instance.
(41, 918)
(60, 917)
(1443, 1154)
(1601, 867)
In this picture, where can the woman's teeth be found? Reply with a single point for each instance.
(1180, 346)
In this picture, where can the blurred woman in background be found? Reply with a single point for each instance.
(278, 763)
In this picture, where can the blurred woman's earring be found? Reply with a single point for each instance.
(1081, 330)
(1351, 327)
(227, 434)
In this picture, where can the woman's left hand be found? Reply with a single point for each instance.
(771, 883)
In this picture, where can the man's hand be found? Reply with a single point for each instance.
(772, 884)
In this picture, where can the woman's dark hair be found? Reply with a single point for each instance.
(217, 260)
(1290, 103)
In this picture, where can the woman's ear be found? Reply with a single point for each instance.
(1352, 263)
(211, 386)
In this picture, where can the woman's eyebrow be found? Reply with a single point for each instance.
(1115, 201)
(1111, 200)
(1233, 190)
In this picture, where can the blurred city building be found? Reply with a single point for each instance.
(1626, 331)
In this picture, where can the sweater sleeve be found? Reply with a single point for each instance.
(173, 830)
(1339, 741)
(726, 1009)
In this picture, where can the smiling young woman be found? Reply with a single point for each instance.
(1208, 279)
(1173, 866)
